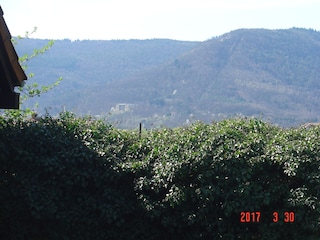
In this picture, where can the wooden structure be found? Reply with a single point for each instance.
(11, 73)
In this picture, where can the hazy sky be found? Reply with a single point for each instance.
(144, 19)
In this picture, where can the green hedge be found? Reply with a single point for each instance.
(75, 178)
(54, 185)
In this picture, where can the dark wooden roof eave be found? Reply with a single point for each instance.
(9, 58)
(11, 73)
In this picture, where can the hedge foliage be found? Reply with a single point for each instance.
(75, 178)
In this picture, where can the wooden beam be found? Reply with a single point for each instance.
(9, 100)
(11, 73)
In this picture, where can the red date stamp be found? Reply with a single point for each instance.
(248, 217)
(255, 217)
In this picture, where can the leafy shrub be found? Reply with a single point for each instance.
(199, 184)
(75, 178)
(298, 152)
(54, 185)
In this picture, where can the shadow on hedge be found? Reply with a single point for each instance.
(52, 186)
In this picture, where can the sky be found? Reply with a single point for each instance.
(190, 20)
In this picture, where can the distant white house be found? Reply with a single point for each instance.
(122, 107)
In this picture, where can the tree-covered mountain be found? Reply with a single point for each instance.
(87, 65)
(253, 72)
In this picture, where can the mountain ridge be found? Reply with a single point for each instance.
(250, 72)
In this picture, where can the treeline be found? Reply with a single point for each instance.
(75, 178)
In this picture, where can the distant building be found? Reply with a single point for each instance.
(122, 107)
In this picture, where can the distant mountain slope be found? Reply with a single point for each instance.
(269, 73)
(103, 61)
(85, 64)
(246, 72)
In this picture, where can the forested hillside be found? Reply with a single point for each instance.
(86, 66)
(269, 73)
